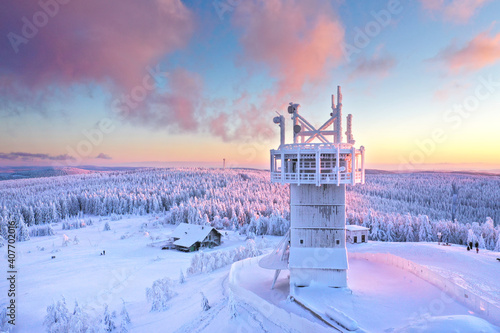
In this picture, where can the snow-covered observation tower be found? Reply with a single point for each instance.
(318, 166)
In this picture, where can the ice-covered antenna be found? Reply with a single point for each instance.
(348, 133)
(280, 120)
(338, 121)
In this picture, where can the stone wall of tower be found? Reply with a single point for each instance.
(317, 251)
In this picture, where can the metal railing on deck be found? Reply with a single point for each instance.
(311, 178)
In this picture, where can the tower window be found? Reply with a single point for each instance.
(337, 241)
(301, 241)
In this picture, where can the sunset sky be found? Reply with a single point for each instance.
(170, 82)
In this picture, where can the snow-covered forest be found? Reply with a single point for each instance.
(397, 207)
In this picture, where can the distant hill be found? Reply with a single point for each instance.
(378, 172)
(468, 173)
(8, 173)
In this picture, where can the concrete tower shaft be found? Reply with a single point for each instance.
(317, 245)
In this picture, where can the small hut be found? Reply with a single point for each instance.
(356, 234)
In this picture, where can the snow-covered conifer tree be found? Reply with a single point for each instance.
(471, 238)
(489, 233)
(367, 219)
(409, 231)
(251, 249)
(374, 230)
(5, 326)
(4, 228)
(108, 320)
(124, 326)
(78, 320)
(160, 293)
(390, 231)
(106, 226)
(425, 231)
(481, 242)
(478, 231)
(204, 302)
(57, 318)
(124, 314)
(22, 232)
(497, 245)
(205, 220)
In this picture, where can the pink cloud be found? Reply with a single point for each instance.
(298, 42)
(179, 107)
(104, 156)
(243, 122)
(30, 156)
(111, 43)
(459, 11)
(481, 51)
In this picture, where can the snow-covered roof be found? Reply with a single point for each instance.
(312, 257)
(189, 234)
(352, 227)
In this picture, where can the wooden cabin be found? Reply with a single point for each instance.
(192, 237)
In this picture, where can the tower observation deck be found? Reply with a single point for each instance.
(318, 156)
(318, 166)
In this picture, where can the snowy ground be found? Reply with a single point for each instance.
(131, 265)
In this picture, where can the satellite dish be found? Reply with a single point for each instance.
(277, 120)
(290, 109)
(297, 129)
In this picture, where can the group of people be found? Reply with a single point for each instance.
(469, 247)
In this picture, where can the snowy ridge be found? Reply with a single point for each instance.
(477, 272)
(481, 306)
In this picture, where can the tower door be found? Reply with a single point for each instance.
(355, 239)
(363, 239)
